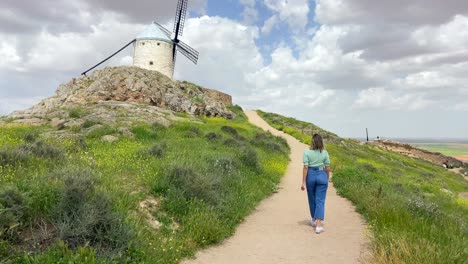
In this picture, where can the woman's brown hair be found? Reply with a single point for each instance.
(317, 142)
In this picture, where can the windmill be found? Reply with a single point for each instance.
(155, 49)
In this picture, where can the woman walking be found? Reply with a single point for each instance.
(315, 177)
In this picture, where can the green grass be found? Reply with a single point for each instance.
(77, 112)
(449, 149)
(412, 207)
(79, 198)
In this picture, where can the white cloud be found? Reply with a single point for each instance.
(380, 98)
(7, 105)
(228, 53)
(250, 13)
(9, 55)
(269, 24)
(293, 12)
(427, 80)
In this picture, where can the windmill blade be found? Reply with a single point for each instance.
(165, 30)
(179, 22)
(188, 51)
(115, 53)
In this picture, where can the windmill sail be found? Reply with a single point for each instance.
(188, 52)
(163, 29)
(179, 22)
(106, 59)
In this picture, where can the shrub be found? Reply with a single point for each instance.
(12, 156)
(193, 132)
(84, 216)
(250, 159)
(230, 130)
(12, 212)
(212, 136)
(224, 164)
(157, 127)
(368, 167)
(101, 131)
(89, 123)
(230, 142)
(194, 185)
(76, 112)
(158, 150)
(30, 137)
(42, 150)
(80, 143)
(269, 142)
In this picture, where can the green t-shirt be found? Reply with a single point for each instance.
(315, 158)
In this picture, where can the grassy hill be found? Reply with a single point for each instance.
(152, 194)
(414, 209)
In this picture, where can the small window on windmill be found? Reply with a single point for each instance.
(142, 43)
(159, 43)
(151, 63)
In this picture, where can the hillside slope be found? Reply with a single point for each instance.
(417, 212)
(125, 181)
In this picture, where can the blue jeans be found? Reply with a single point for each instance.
(317, 185)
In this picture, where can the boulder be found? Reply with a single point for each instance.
(109, 138)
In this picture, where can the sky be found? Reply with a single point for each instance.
(398, 68)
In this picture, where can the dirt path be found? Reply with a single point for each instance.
(278, 231)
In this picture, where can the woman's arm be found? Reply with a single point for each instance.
(326, 162)
(304, 175)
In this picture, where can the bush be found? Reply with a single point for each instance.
(42, 150)
(250, 159)
(89, 123)
(12, 212)
(225, 165)
(230, 142)
(193, 132)
(269, 142)
(157, 127)
(12, 157)
(84, 216)
(212, 136)
(194, 185)
(158, 150)
(76, 112)
(101, 131)
(30, 137)
(368, 167)
(230, 130)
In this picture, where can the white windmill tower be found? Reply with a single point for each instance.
(154, 49)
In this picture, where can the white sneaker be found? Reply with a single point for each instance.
(319, 229)
(313, 223)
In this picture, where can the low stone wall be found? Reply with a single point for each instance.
(226, 99)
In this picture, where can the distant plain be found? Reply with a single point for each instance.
(449, 149)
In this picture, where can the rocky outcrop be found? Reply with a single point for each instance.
(408, 150)
(126, 92)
